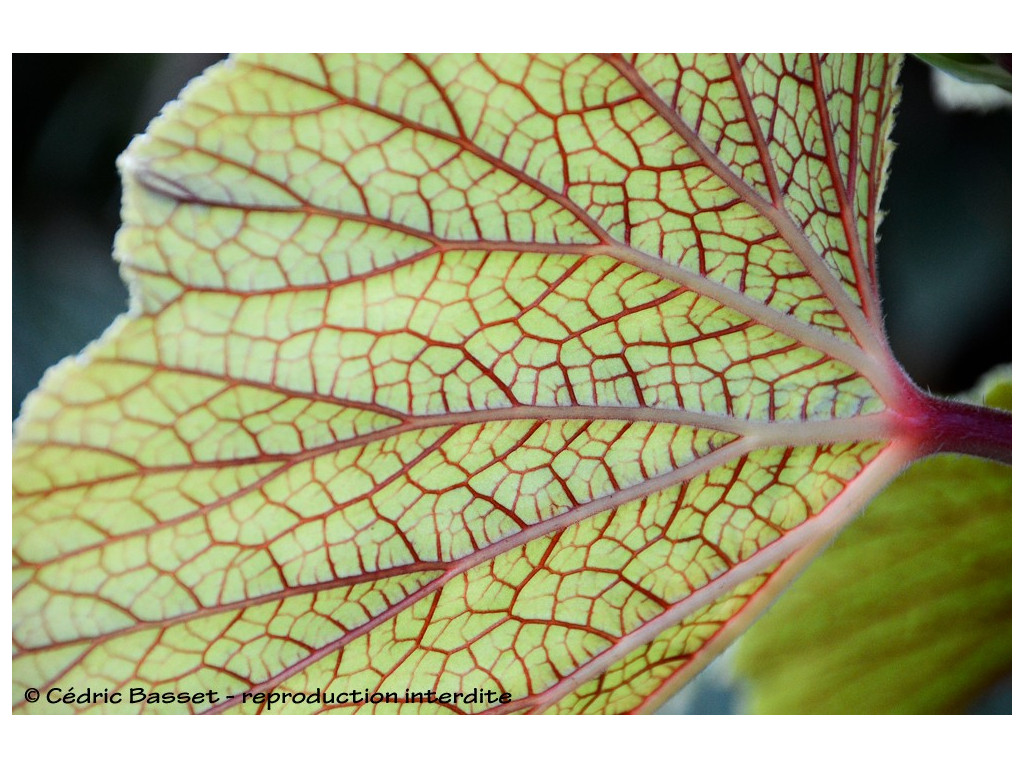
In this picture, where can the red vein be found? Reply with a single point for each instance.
(846, 203)
(859, 428)
(442, 94)
(755, 129)
(876, 170)
(784, 225)
(824, 525)
(463, 143)
(545, 527)
(809, 335)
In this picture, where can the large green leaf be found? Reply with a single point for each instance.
(499, 374)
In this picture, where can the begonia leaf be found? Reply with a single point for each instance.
(466, 383)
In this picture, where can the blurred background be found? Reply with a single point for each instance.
(944, 251)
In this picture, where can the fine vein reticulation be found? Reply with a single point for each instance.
(530, 374)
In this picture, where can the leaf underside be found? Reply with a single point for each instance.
(442, 373)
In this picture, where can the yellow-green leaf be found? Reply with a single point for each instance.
(465, 383)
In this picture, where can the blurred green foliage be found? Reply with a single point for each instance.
(985, 68)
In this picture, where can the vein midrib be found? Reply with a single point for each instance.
(856, 429)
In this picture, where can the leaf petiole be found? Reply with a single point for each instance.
(953, 426)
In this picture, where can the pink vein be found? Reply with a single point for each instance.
(826, 523)
(552, 525)
(809, 335)
(755, 128)
(877, 169)
(854, 429)
(784, 225)
(846, 203)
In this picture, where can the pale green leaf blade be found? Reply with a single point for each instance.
(516, 374)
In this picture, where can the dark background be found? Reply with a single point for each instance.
(944, 253)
